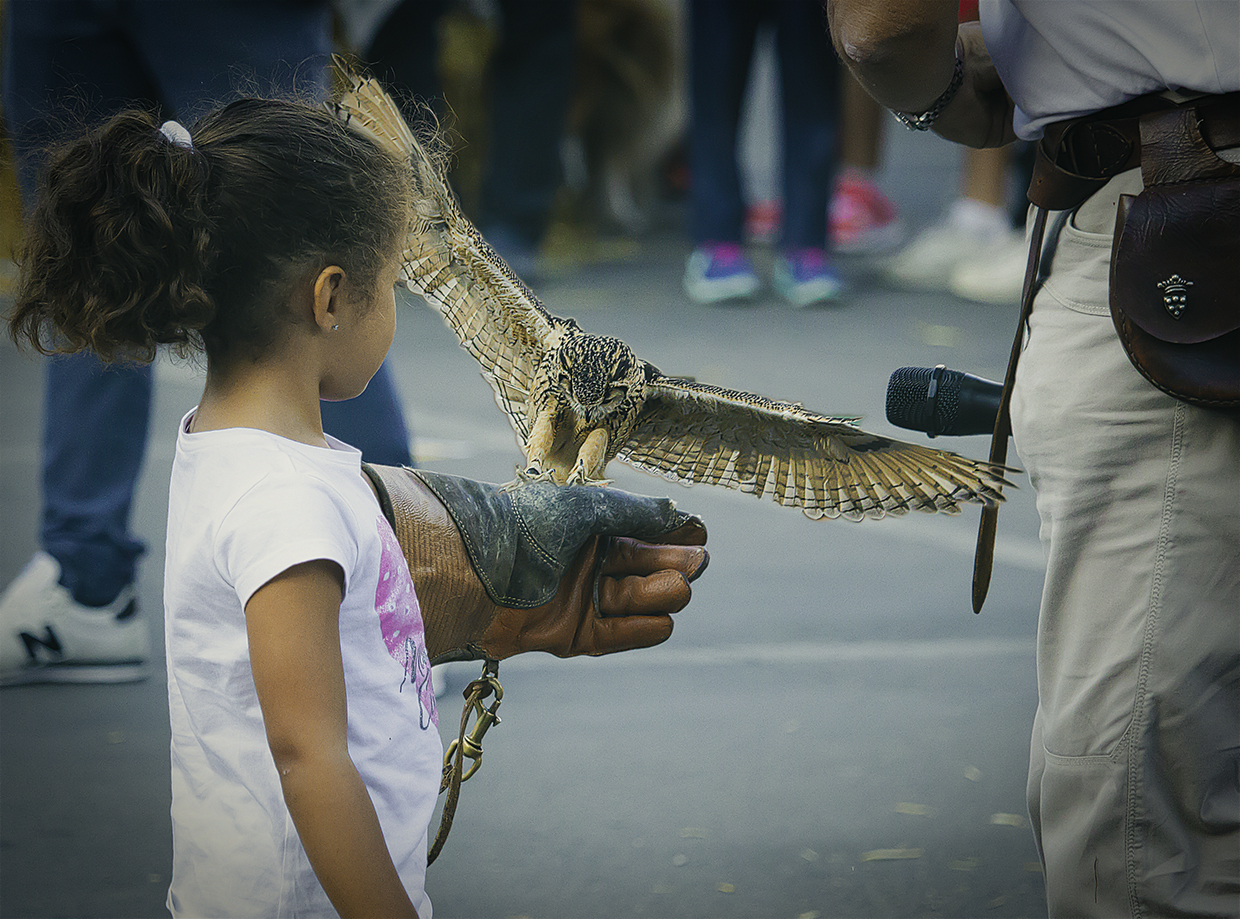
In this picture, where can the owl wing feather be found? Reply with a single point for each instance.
(827, 466)
(497, 318)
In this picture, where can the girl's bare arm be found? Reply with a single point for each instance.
(294, 636)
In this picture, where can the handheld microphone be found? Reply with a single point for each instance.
(941, 401)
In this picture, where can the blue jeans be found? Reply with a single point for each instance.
(722, 37)
(66, 60)
(531, 84)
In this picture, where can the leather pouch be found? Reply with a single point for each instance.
(1175, 265)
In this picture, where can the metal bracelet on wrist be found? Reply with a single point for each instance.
(922, 121)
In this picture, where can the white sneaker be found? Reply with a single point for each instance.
(47, 637)
(997, 277)
(969, 230)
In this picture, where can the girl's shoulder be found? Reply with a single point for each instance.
(258, 504)
(244, 477)
(246, 456)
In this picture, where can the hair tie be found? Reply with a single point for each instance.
(176, 134)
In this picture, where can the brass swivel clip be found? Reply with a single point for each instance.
(475, 693)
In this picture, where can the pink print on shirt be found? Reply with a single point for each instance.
(400, 619)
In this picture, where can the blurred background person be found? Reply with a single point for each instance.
(722, 35)
(530, 85)
(73, 614)
(862, 219)
(526, 51)
(976, 249)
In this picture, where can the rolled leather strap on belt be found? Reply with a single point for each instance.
(1077, 157)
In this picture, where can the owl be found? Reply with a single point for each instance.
(578, 401)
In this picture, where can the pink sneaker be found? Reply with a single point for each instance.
(862, 220)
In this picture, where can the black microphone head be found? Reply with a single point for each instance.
(909, 402)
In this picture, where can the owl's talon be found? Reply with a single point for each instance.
(579, 477)
(531, 473)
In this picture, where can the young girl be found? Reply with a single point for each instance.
(305, 755)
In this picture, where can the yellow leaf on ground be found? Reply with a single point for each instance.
(1007, 819)
(885, 855)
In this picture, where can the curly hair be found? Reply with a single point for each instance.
(137, 241)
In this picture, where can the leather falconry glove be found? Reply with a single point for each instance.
(540, 567)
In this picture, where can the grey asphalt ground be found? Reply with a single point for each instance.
(830, 732)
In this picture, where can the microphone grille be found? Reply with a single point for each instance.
(908, 405)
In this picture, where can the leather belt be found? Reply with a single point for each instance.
(1078, 156)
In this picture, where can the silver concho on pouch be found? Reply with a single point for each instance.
(1175, 294)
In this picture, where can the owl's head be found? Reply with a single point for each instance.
(597, 373)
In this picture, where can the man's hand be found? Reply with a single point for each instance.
(565, 569)
(981, 113)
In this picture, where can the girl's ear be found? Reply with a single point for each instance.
(329, 293)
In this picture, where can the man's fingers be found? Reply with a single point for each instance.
(629, 556)
(625, 633)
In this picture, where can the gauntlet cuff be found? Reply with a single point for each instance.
(455, 609)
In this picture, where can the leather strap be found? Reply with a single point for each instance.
(984, 558)
(454, 772)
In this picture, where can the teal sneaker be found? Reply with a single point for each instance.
(719, 272)
(804, 277)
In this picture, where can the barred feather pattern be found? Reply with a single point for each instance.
(827, 466)
(497, 318)
(685, 431)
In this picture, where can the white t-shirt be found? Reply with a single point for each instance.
(1065, 58)
(244, 506)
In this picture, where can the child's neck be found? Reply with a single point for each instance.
(263, 396)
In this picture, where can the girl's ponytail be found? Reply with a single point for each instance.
(144, 236)
(118, 249)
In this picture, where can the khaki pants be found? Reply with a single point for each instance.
(1134, 777)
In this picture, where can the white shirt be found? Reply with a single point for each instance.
(1065, 58)
(244, 506)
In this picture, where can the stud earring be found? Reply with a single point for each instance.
(336, 328)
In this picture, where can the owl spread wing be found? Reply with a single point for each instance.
(829, 467)
(686, 431)
(447, 262)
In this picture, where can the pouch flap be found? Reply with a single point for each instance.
(1175, 271)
